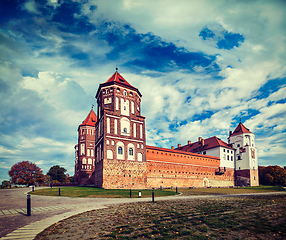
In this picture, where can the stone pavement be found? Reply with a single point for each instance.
(14, 224)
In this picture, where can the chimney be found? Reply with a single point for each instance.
(172, 147)
(230, 132)
(189, 142)
(179, 145)
(203, 142)
(200, 139)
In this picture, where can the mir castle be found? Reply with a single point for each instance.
(112, 152)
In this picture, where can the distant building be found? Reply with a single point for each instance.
(84, 151)
(112, 152)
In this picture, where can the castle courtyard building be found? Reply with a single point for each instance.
(112, 152)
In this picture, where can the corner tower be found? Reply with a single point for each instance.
(84, 150)
(120, 145)
(246, 162)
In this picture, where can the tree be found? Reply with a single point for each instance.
(26, 173)
(6, 184)
(58, 173)
(272, 175)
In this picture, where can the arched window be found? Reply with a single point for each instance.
(120, 150)
(131, 151)
(125, 126)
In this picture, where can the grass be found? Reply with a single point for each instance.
(240, 190)
(92, 192)
(258, 217)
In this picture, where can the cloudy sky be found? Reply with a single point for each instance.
(200, 66)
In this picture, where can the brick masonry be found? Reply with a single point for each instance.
(169, 168)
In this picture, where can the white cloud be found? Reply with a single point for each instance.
(30, 6)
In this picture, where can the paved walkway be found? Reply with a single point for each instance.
(14, 224)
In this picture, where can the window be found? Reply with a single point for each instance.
(131, 151)
(125, 126)
(227, 151)
(82, 149)
(227, 157)
(204, 152)
(223, 150)
(238, 158)
(120, 151)
(124, 93)
(107, 91)
(238, 145)
(231, 158)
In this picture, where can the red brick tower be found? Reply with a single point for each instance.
(120, 146)
(84, 150)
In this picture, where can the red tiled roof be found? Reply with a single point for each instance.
(240, 129)
(116, 77)
(205, 144)
(178, 151)
(90, 120)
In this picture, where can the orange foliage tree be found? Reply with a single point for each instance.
(272, 175)
(26, 173)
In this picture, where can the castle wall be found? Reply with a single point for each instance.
(247, 177)
(124, 174)
(169, 168)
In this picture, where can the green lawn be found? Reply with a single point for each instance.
(100, 193)
(125, 193)
(240, 190)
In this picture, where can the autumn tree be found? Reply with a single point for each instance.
(272, 175)
(57, 173)
(26, 173)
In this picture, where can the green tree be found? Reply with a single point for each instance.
(6, 184)
(26, 173)
(57, 173)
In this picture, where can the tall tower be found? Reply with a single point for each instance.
(120, 145)
(84, 150)
(246, 162)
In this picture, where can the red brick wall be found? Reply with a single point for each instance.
(166, 167)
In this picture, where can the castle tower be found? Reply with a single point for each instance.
(120, 145)
(246, 162)
(84, 150)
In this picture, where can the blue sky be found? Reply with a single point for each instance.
(200, 66)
